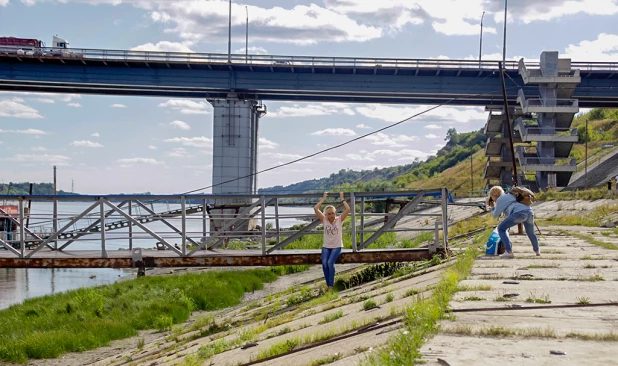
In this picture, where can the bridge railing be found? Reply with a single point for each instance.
(287, 60)
(186, 225)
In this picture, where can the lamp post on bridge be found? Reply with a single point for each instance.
(229, 36)
(247, 37)
(506, 2)
(481, 42)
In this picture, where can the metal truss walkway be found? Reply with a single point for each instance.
(243, 221)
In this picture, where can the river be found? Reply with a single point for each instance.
(19, 284)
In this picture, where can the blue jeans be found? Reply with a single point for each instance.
(525, 217)
(329, 257)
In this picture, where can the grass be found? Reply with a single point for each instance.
(591, 258)
(538, 300)
(389, 298)
(417, 241)
(463, 288)
(594, 218)
(550, 265)
(500, 331)
(473, 298)
(595, 278)
(331, 317)
(369, 304)
(88, 318)
(589, 266)
(609, 336)
(325, 360)
(420, 319)
(583, 300)
(411, 292)
(594, 241)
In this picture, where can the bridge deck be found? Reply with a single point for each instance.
(206, 258)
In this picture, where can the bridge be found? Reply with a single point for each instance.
(290, 78)
(87, 237)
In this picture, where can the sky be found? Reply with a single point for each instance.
(104, 144)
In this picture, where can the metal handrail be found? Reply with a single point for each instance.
(291, 61)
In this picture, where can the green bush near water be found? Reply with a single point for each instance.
(87, 318)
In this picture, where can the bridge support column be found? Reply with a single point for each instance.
(235, 149)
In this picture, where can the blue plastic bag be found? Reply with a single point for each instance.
(493, 243)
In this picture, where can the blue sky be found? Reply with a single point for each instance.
(162, 145)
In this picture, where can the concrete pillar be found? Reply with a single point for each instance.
(235, 151)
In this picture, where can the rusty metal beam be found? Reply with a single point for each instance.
(212, 259)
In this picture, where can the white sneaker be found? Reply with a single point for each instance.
(507, 255)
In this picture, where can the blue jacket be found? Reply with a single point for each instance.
(507, 204)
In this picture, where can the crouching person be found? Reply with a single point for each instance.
(515, 205)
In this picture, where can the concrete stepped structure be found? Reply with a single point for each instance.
(550, 128)
(598, 174)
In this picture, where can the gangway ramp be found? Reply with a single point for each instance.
(68, 247)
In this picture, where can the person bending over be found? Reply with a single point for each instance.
(333, 236)
(516, 213)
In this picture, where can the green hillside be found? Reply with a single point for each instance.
(459, 147)
(451, 167)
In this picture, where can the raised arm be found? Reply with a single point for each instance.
(316, 208)
(347, 207)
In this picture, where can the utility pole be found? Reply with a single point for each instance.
(247, 37)
(508, 123)
(586, 160)
(229, 36)
(471, 177)
(504, 36)
(481, 42)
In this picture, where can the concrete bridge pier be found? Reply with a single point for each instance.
(235, 151)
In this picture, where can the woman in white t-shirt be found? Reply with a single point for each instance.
(333, 236)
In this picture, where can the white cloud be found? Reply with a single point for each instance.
(312, 109)
(391, 114)
(252, 51)
(186, 106)
(179, 152)
(433, 127)
(267, 144)
(192, 141)
(386, 155)
(38, 148)
(29, 131)
(431, 136)
(96, 134)
(165, 46)
(363, 126)
(546, 10)
(303, 25)
(604, 48)
(180, 124)
(152, 147)
(118, 106)
(383, 139)
(335, 132)
(450, 17)
(128, 161)
(85, 143)
(282, 156)
(47, 159)
(74, 105)
(4, 2)
(45, 100)
(11, 108)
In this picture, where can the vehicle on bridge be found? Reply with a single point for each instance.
(35, 47)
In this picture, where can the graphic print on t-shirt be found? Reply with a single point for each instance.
(331, 230)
